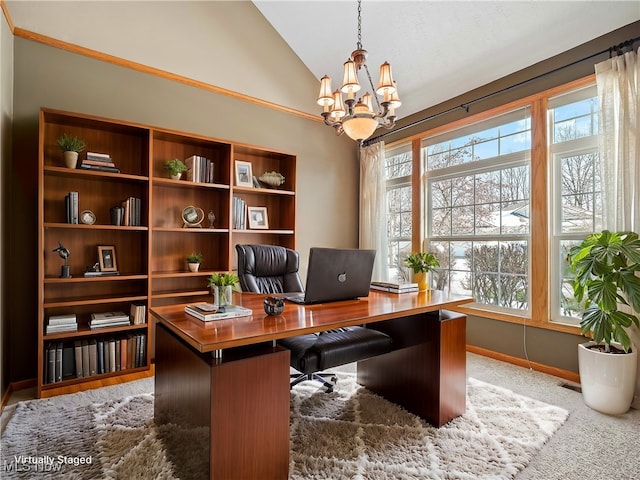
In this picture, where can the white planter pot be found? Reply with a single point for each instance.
(608, 380)
(193, 267)
(177, 176)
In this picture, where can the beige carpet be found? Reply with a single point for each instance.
(350, 433)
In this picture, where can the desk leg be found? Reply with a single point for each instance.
(233, 412)
(426, 371)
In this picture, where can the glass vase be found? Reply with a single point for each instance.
(222, 296)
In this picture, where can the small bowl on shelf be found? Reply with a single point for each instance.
(272, 179)
(273, 305)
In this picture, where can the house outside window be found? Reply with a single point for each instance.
(576, 189)
(477, 191)
(398, 170)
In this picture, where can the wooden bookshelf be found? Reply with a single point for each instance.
(151, 256)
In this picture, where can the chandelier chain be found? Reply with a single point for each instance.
(373, 90)
(359, 23)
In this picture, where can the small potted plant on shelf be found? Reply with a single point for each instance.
(422, 263)
(194, 260)
(70, 146)
(221, 285)
(606, 267)
(176, 168)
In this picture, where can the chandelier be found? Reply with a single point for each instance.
(358, 119)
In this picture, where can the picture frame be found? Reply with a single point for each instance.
(244, 174)
(107, 258)
(258, 218)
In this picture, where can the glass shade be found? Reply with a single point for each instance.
(338, 111)
(385, 85)
(325, 98)
(366, 99)
(350, 79)
(394, 100)
(359, 128)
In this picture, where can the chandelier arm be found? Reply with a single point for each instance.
(373, 90)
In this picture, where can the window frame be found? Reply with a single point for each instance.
(540, 219)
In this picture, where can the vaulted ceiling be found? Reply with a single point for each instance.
(440, 49)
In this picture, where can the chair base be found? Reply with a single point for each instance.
(318, 377)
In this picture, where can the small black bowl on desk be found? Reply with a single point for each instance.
(273, 305)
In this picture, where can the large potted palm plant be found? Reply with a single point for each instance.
(606, 266)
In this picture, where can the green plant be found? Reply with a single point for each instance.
(223, 279)
(421, 262)
(70, 143)
(605, 266)
(195, 258)
(175, 166)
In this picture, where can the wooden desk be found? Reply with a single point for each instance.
(225, 386)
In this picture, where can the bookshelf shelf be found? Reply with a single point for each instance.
(151, 257)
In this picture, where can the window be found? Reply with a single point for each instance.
(398, 169)
(477, 191)
(577, 189)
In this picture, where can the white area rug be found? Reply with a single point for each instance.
(349, 434)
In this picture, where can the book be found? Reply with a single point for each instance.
(68, 362)
(51, 363)
(62, 328)
(111, 350)
(123, 353)
(105, 157)
(101, 274)
(230, 311)
(86, 367)
(62, 319)
(98, 163)
(77, 345)
(108, 323)
(71, 204)
(58, 362)
(100, 356)
(104, 316)
(99, 168)
(93, 357)
(394, 287)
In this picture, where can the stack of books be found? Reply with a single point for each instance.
(100, 162)
(239, 220)
(132, 212)
(62, 323)
(394, 287)
(108, 319)
(208, 312)
(201, 169)
(71, 204)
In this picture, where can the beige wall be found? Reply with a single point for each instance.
(327, 171)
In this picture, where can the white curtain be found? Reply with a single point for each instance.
(373, 207)
(619, 145)
(619, 140)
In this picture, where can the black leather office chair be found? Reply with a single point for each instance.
(274, 269)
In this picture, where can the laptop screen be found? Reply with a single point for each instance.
(338, 274)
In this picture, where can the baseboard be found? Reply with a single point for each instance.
(14, 387)
(521, 362)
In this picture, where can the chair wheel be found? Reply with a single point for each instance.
(329, 389)
(334, 379)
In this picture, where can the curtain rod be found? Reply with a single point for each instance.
(465, 106)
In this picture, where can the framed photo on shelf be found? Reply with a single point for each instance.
(244, 174)
(258, 217)
(107, 258)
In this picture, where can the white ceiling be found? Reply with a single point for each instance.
(440, 49)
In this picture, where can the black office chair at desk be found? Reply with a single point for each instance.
(274, 269)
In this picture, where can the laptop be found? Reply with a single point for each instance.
(336, 274)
